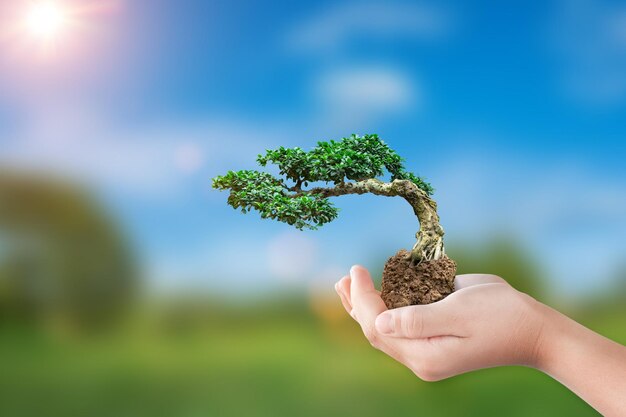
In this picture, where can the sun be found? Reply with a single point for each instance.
(45, 20)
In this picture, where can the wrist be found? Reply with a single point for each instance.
(548, 332)
(590, 365)
(557, 333)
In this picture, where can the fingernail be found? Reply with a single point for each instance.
(384, 323)
(337, 286)
(352, 271)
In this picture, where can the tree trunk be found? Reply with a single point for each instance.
(429, 245)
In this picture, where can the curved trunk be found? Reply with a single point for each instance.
(429, 245)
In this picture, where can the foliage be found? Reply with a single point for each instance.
(504, 256)
(63, 263)
(355, 158)
(262, 192)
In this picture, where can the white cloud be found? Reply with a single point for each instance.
(189, 157)
(355, 95)
(324, 281)
(248, 262)
(291, 255)
(590, 39)
(344, 23)
(151, 160)
(230, 263)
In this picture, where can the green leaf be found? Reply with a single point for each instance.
(352, 158)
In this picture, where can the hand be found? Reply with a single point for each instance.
(484, 323)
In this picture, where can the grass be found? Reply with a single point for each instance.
(251, 365)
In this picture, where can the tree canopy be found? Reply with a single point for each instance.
(62, 258)
(349, 161)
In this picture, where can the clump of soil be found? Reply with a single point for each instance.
(405, 284)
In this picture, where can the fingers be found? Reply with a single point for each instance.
(366, 301)
(442, 318)
(343, 290)
(367, 298)
(469, 280)
(342, 287)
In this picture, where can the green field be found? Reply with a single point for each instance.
(240, 363)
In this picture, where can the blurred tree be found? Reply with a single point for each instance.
(501, 256)
(62, 261)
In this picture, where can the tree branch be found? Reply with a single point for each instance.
(396, 188)
(430, 236)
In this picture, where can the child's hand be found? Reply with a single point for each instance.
(484, 323)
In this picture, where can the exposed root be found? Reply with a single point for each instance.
(427, 249)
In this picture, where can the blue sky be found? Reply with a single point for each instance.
(514, 111)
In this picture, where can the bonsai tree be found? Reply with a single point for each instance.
(351, 165)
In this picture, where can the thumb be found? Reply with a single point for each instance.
(420, 321)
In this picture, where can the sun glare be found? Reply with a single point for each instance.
(45, 20)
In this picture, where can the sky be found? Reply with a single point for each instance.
(514, 111)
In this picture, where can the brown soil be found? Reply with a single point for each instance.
(404, 284)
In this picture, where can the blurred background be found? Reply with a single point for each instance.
(129, 288)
